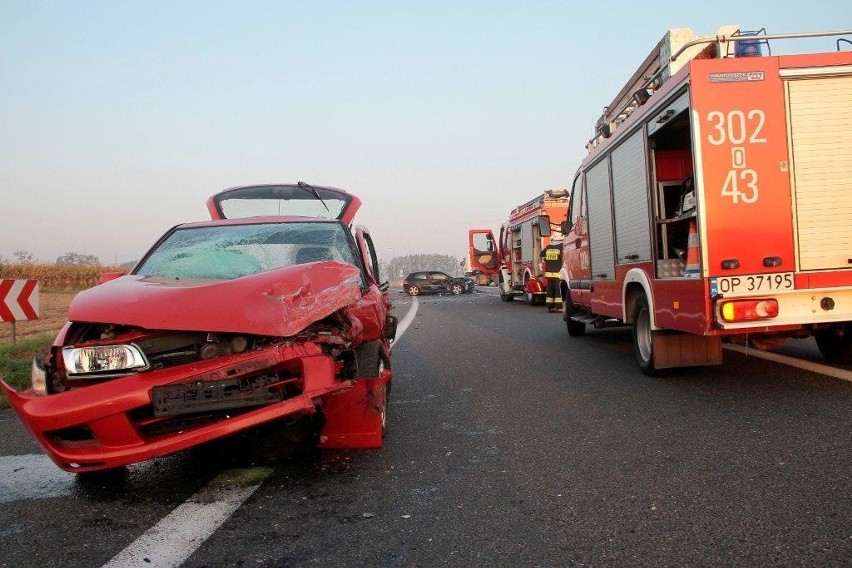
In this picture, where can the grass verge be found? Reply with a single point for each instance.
(16, 361)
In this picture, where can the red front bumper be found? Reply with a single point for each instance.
(110, 425)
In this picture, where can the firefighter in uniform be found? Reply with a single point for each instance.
(552, 258)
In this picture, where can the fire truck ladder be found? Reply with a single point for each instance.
(677, 47)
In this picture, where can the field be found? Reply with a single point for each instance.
(53, 309)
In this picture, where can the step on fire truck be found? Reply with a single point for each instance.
(716, 201)
(514, 261)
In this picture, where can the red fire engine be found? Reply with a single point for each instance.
(716, 202)
(515, 260)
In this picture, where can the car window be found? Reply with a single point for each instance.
(439, 276)
(232, 251)
(421, 276)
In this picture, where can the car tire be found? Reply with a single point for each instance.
(112, 477)
(643, 337)
(371, 364)
(413, 291)
(456, 289)
(575, 328)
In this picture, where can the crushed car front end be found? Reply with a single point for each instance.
(204, 344)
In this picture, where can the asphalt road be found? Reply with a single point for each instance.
(510, 444)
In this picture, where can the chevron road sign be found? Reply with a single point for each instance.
(18, 300)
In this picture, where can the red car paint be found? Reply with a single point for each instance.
(226, 353)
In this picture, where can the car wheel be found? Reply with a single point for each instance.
(457, 289)
(575, 328)
(835, 344)
(413, 290)
(643, 337)
(368, 357)
(112, 477)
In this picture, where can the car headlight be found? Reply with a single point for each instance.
(103, 359)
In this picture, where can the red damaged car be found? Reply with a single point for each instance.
(273, 310)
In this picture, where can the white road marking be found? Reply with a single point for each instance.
(842, 374)
(406, 321)
(32, 476)
(171, 541)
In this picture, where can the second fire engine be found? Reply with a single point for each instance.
(515, 260)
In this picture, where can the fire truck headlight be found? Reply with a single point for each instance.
(748, 310)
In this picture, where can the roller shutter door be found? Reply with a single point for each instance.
(821, 147)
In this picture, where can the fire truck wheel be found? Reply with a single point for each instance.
(643, 336)
(575, 328)
(503, 295)
(413, 290)
(835, 344)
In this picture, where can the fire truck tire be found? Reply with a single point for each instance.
(413, 290)
(575, 328)
(503, 295)
(643, 336)
(835, 347)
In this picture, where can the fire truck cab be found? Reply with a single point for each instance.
(514, 260)
(715, 202)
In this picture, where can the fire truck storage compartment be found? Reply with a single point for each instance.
(820, 121)
(670, 142)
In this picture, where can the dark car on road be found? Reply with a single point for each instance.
(436, 282)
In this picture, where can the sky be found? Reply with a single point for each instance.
(119, 119)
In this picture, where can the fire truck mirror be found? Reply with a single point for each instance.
(544, 226)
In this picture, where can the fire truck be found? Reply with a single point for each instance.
(715, 203)
(514, 260)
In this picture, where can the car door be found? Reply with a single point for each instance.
(440, 282)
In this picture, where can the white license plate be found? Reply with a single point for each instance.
(752, 284)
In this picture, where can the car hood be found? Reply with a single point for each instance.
(280, 302)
